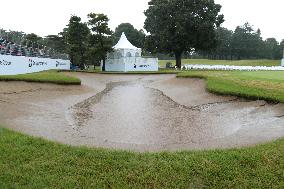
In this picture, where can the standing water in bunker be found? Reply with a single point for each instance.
(151, 113)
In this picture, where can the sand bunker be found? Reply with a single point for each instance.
(138, 112)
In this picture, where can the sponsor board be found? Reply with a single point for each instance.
(13, 65)
(5, 63)
(131, 64)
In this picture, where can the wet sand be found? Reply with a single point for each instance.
(138, 112)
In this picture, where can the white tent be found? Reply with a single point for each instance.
(123, 43)
(126, 57)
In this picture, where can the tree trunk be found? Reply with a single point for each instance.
(93, 62)
(104, 64)
(72, 59)
(82, 62)
(178, 59)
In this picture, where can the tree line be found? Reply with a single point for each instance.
(85, 43)
(90, 42)
(175, 29)
(243, 43)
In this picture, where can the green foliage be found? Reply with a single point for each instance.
(26, 162)
(77, 34)
(101, 38)
(273, 49)
(244, 43)
(14, 36)
(224, 39)
(177, 26)
(43, 77)
(135, 37)
(263, 85)
(56, 42)
(32, 40)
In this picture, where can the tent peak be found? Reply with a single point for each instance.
(123, 43)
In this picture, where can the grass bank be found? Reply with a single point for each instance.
(27, 162)
(265, 85)
(43, 77)
(162, 63)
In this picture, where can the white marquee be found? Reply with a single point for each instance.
(126, 57)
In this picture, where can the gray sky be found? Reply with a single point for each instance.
(45, 17)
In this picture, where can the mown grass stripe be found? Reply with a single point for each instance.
(264, 85)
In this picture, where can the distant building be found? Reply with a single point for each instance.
(127, 58)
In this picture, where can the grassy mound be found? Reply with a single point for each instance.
(26, 162)
(43, 77)
(264, 85)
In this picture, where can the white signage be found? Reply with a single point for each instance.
(13, 65)
(132, 64)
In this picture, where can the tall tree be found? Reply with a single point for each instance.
(56, 42)
(136, 37)
(224, 40)
(182, 25)
(101, 38)
(246, 42)
(77, 34)
(281, 49)
(32, 40)
(271, 48)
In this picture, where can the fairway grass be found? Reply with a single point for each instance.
(162, 63)
(27, 162)
(260, 85)
(43, 77)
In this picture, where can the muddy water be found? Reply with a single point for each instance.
(137, 112)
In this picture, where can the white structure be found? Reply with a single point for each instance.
(14, 65)
(127, 57)
(227, 67)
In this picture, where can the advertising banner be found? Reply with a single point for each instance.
(14, 65)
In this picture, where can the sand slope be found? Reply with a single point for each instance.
(138, 112)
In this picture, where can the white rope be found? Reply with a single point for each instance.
(226, 67)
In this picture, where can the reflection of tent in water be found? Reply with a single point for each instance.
(127, 57)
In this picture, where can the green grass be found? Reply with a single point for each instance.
(265, 85)
(162, 63)
(43, 77)
(27, 162)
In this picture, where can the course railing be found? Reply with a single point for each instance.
(227, 67)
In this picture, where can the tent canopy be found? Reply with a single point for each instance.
(123, 43)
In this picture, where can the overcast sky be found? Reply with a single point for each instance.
(45, 17)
